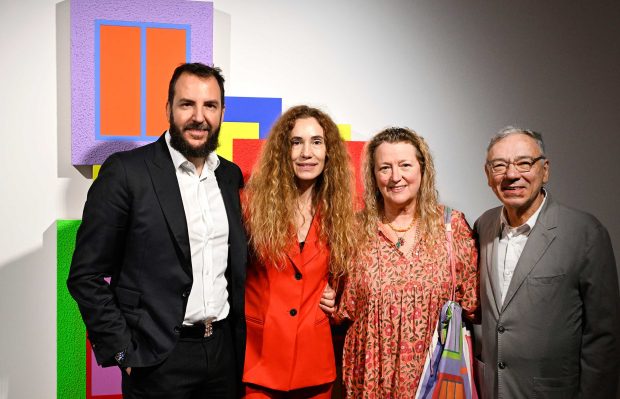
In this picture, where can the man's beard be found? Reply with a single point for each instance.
(181, 145)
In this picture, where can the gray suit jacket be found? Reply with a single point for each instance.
(557, 333)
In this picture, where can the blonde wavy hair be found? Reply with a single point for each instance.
(427, 210)
(271, 195)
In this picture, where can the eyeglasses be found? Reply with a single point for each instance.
(522, 165)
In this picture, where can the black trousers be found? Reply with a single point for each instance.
(196, 368)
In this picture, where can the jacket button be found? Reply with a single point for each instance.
(501, 329)
(501, 365)
(186, 294)
(297, 276)
(293, 312)
(177, 329)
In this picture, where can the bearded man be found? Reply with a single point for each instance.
(163, 221)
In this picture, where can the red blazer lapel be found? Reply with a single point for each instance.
(312, 247)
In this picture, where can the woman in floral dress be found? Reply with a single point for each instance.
(394, 293)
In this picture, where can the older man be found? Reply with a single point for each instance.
(549, 285)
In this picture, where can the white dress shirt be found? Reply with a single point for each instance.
(511, 244)
(207, 226)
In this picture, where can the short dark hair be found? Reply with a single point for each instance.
(199, 69)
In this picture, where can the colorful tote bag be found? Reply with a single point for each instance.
(448, 369)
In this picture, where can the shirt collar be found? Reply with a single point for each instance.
(179, 160)
(213, 161)
(526, 227)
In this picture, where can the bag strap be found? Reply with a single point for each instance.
(447, 218)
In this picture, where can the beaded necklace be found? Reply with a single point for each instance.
(401, 239)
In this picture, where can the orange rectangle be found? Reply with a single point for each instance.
(119, 82)
(165, 50)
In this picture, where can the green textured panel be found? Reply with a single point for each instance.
(70, 330)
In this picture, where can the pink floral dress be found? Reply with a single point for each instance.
(393, 298)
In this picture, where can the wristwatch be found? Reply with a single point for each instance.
(120, 357)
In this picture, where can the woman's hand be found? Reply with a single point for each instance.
(328, 300)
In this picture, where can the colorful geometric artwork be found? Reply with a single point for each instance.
(129, 94)
(70, 330)
(78, 375)
(232, 131)
(101, 383)
(262, 110)
(246, 118)
(122, 56)
(246, 153)
(345, 131)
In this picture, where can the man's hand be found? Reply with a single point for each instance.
(128, 370)
(328, 300)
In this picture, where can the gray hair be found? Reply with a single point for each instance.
(510, 130)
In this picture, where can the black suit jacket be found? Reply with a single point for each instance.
(134, 230)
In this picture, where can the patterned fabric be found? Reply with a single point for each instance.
(393, 299)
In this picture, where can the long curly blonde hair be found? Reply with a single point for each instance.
(272, 192)
(427, 210)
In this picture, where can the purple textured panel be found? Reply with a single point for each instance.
(105, 381)
(85, 149)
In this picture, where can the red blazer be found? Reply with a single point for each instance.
(289, 342)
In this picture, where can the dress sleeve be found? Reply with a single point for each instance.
(347, 304)
(466, 257)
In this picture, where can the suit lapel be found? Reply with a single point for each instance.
(491, 244)
(311, 248)
(492, 269)
(540, 238)
(166, 187)
(228, 190)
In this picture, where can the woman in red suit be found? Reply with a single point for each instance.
(299, 213)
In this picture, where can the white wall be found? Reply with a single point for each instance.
(455, 71)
